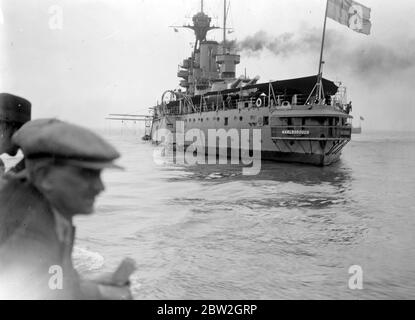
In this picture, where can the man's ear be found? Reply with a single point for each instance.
(42, 178)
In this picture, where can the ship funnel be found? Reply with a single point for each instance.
(207, 59)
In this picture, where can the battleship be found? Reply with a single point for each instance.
(358, 129)
(303, 120)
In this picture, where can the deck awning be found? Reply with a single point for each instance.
(290, 86)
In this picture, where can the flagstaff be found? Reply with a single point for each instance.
(349, 13)
(320, 88)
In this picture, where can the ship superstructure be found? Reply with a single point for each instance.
(212, 65)
(301, 120)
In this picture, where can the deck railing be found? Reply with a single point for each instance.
(206, 105)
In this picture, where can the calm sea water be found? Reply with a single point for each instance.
(292, 232)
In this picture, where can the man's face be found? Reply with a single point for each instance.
(6, 133)
(72, 190)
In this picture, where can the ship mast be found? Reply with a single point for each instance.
(201, 26)
(224, 22)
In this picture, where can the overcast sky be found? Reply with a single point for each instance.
(120, 55)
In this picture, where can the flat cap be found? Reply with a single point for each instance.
(14, 108)
(55, 139)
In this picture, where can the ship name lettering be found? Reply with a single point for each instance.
(296, 132)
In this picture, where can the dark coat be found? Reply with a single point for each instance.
(2, 167)
(29, 247)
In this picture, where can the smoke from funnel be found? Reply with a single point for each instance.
(366, 60)
(282, 45)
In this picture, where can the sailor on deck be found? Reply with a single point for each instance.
(14, 112)
(37, 206)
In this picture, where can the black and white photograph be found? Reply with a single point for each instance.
(207, 150)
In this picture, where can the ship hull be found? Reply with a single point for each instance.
(294, 157)
(316, 159)
(311, 159)
(290, 157)
(314, 137)
(275, 156)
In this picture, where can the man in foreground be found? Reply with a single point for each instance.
(37, 206)
(14, 112)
